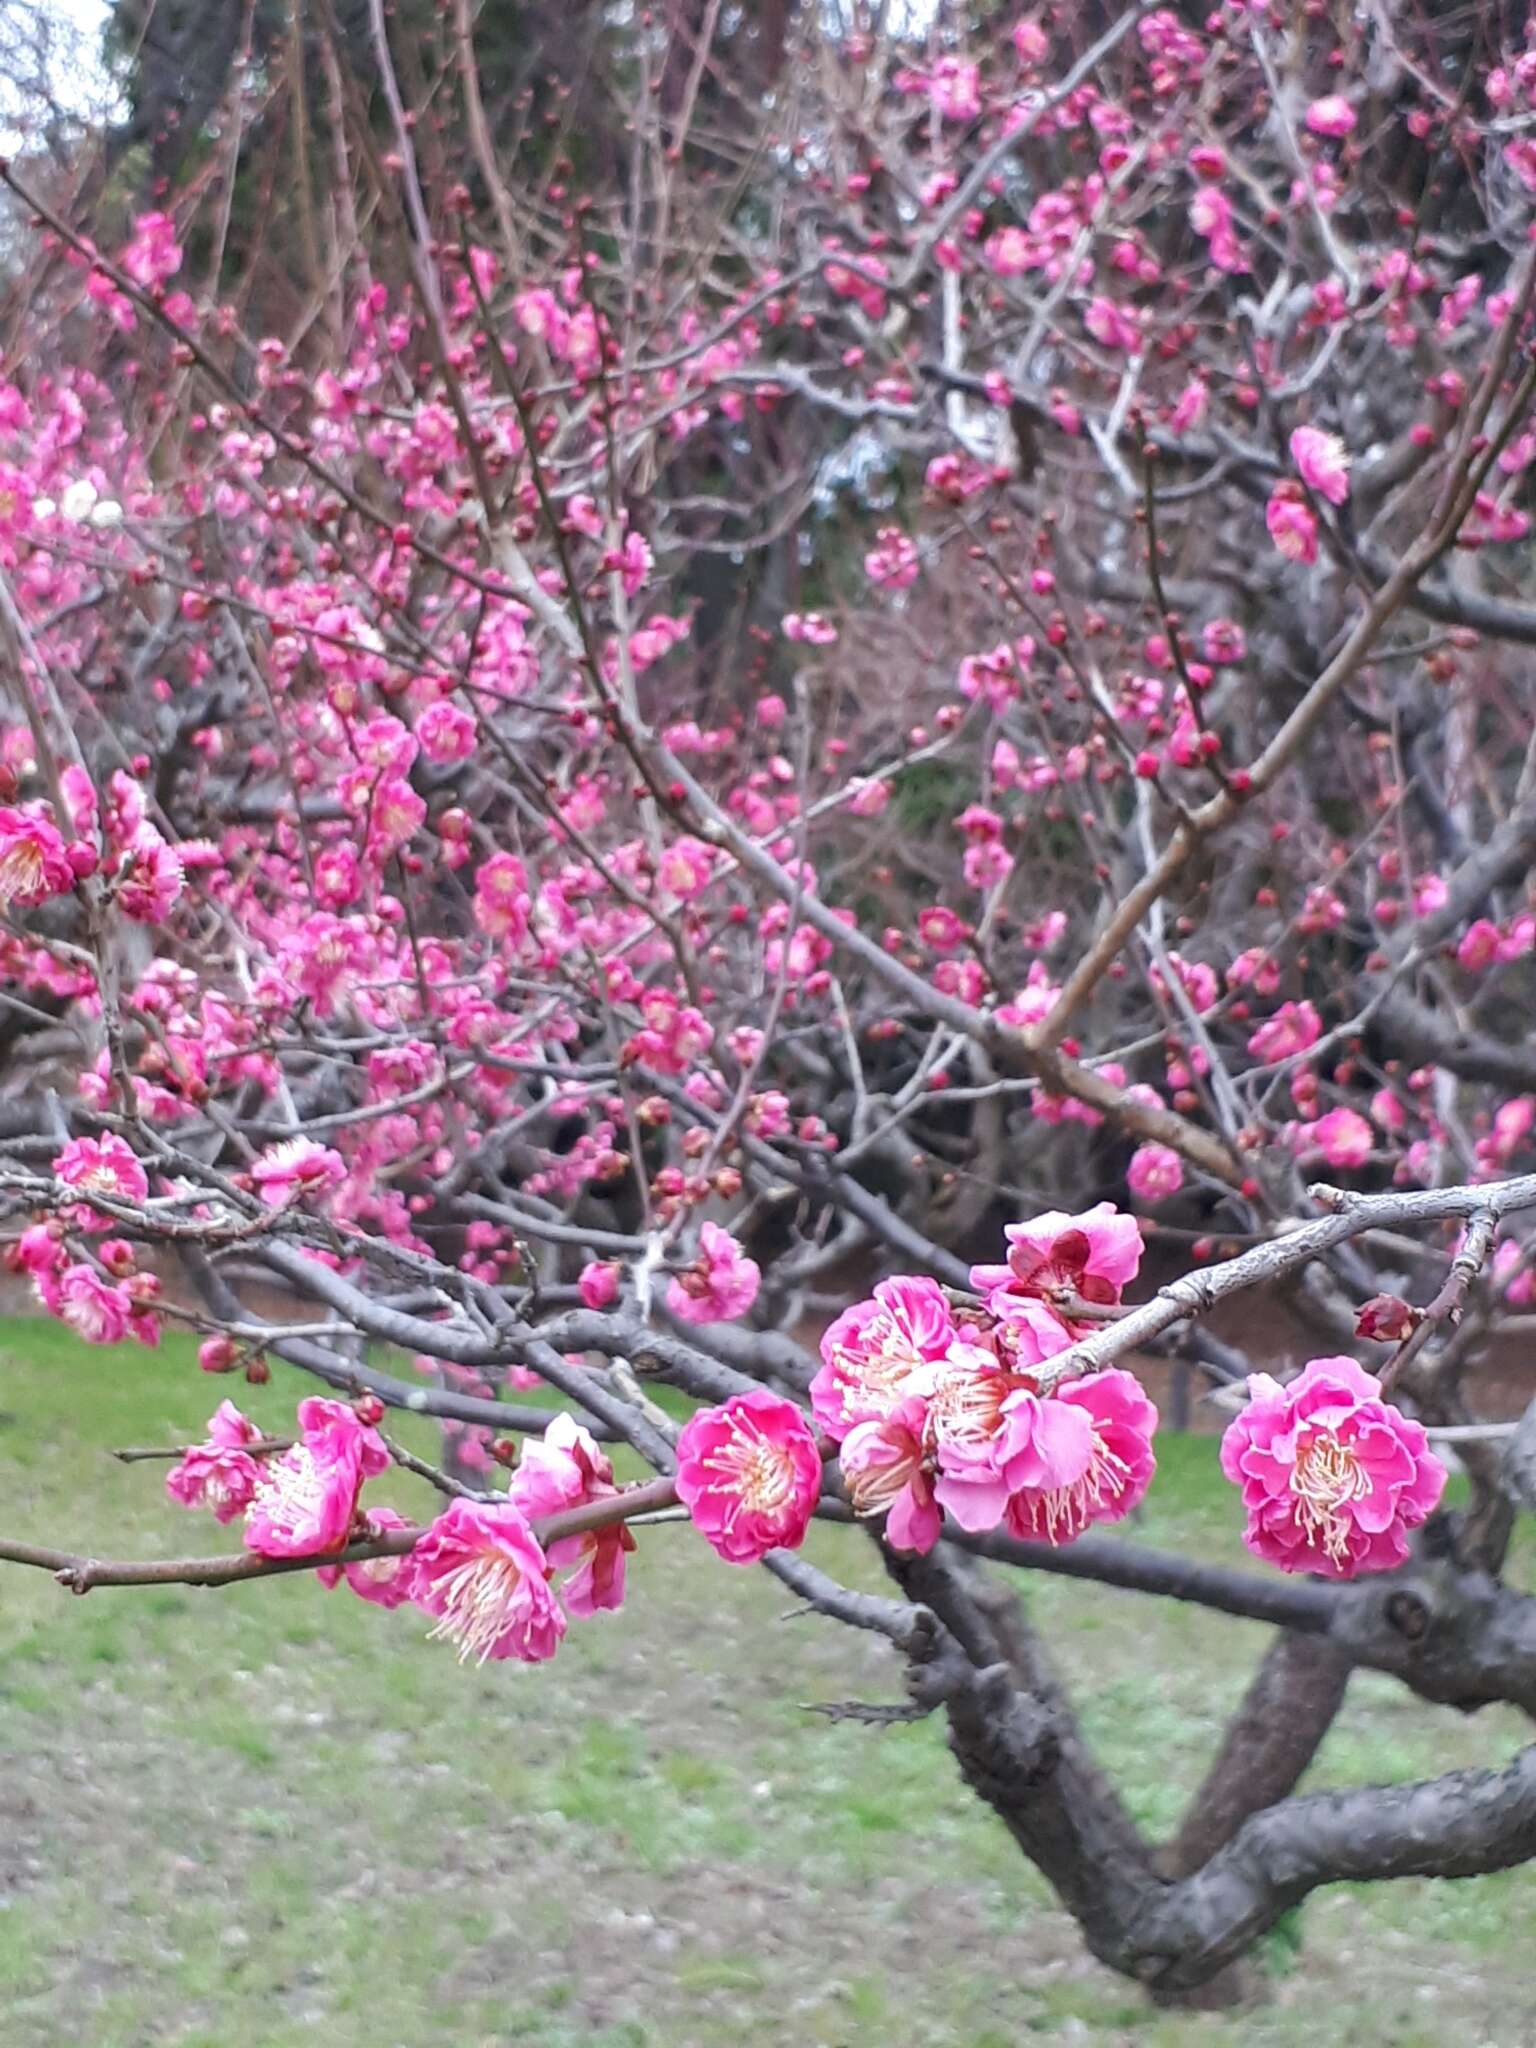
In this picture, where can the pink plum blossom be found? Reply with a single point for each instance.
(598, 1283)
(749, 1474)
(1332, 1476)
(721, 1284)
(566, 1469)
(479, 1569)
(149, 877)
(1060, 1259)
(1322, 461)
(1292, 525)
(1097, 1473)
(1154, 1173)
(1343, 1137)
(294, 1168)
(1114, 325)
(387, 1581)
(97, 1310)
(34, 863)
(885, 1464)
(878, 1352)
(892, 561)
(1332, 115)
(220, 1474)
(954, 87)
(106, 1166)
(979, 1422)
(1294, 1028)
(307, 1498)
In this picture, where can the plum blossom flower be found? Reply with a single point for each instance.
(954, 88)
(878, 1352)
(106, 1166)
(892, 561)
(481, 1572)
(298, 1166)
(868, 796)
(502, 902)
(95, 1309)
(154, 255)
(149, 877)
(220, 1474)
(1343, 1137)
(684, 868)
(1094, 1469)
(1479, 946)
(810, 627)
(1114, 325)
(749, 1474)
(34, 862)
(1332, 1476)
(385, 1581)
(1292, 525)
(1060, 1259)
(887, 1468)
(719, 1286)
(1155, 1172)
(308, 1497)
(1293, 1029)
(1332, 115)
(598, 1283)
(566, 1469)
(1322, 461)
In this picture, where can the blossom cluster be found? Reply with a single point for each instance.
(933, 1404)
(478, 1570)
(939, 1408)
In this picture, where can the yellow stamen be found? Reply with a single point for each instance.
(477, 1603)
(1326, 1476)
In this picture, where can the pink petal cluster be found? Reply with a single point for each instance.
(1322, 461)
(383, 1581)
(1291, 522)
(937, 1411)
(1062, 1260)
(720, 1285)
(107, 1166)
(219, 1475)
(479, 1569)
(1332, 1476)
(1094, 1465)
(97, 1310)
(1332, 115)
(566, 1469)
(749, 1474)
(880, 1351)
(34, 862)
(297, 1167)
(307, 1498)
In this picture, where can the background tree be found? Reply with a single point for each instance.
(712, 677)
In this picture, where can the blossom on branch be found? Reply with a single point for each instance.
(307, 1497)
(480, 1571)
(1332, 1476)
(749, 1474)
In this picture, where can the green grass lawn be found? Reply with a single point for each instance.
(270, 1817)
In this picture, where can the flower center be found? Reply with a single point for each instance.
(884, 1372)
(478, 1601)
(760, 1474)
(1064, 1507)
(21, 870)
(292, 1489)
(1326, 1476)
(967, 1405)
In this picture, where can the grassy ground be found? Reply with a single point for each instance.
(269, 1816)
